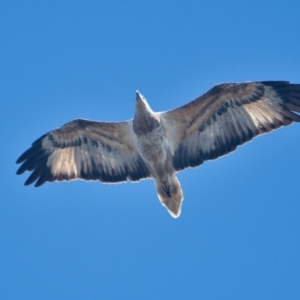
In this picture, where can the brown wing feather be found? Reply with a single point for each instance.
(87, 150)
(227, 116)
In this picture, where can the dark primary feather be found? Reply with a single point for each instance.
(84, 149)
(229, 115)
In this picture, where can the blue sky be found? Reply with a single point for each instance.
(239, 233)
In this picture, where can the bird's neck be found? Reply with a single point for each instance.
(143, 110)
(145, 117)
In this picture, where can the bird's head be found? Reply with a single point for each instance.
(140, 97)
(141, 104)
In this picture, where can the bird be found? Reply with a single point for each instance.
(157, 145)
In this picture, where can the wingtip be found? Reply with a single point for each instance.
(21, 170)
(20, 159)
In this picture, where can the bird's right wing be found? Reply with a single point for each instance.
(84, 149)
(228, 115)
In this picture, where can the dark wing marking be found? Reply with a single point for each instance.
(227, 116)
(87, 150)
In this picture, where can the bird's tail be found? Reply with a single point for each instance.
(170, 195)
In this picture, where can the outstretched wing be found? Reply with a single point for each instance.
(87, 150)
(228, 115)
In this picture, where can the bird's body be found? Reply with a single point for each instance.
(158, 145)
(153, 146)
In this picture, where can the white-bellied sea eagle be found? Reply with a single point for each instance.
(158, 145)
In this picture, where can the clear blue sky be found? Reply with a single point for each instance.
(239, 233)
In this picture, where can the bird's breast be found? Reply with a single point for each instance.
(153, 147)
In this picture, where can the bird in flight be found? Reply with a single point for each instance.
(158, 145)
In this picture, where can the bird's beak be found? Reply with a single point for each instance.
(138, 96)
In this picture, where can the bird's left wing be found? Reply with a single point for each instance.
(87, 150)
(227, 116)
